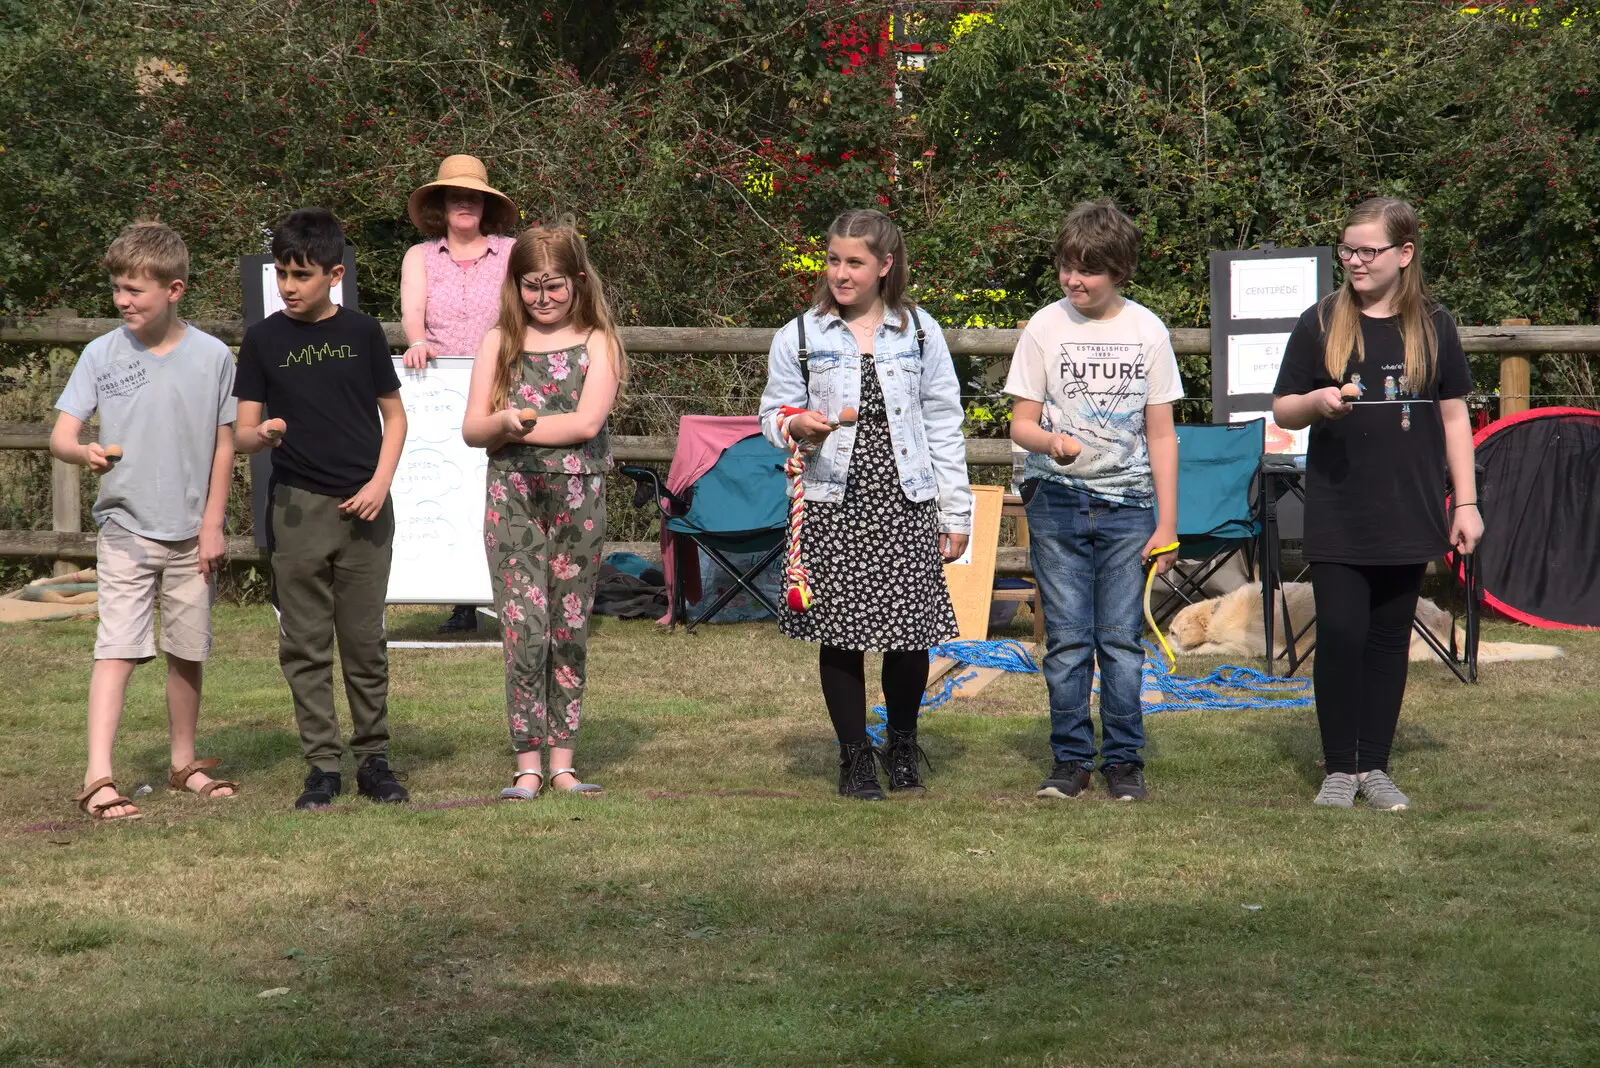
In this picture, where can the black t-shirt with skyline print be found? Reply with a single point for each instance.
(323, 380)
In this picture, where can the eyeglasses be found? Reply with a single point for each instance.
(557, 290)
(1366, 252)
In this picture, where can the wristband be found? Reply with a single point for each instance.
(1467, 504)
(414, 344)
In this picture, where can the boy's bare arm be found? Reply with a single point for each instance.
(211, 538)
(1026, 432)
(248, 436)
(1161, 439)
(64, 445)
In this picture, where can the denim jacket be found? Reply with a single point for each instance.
(922, 397)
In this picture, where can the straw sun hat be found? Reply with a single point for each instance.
(466, 172)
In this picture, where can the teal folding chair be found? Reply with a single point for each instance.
(740, 506)
(1218, 514)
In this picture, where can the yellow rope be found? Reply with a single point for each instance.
(1149, 582)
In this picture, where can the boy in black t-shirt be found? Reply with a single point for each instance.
(325, 374)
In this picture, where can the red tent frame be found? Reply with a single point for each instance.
(1489, 598)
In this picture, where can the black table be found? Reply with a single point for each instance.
(1279, 476)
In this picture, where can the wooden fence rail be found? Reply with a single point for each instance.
(69, 545)
(1515, 340)
(1187, 341)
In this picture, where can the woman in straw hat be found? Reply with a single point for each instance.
(450, 283)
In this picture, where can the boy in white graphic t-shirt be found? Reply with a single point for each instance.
(1093, 380)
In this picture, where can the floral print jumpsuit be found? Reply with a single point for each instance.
(543, 526)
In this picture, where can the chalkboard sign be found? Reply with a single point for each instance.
(1256, 297)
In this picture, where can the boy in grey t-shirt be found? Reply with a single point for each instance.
(164, 391)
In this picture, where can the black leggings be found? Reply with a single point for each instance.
(844, 688)
(1363, 644)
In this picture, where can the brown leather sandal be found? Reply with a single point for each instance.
(98, 812)
(177, 777)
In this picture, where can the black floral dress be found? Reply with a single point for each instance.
(876, 575)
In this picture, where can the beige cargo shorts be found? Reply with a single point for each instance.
(129, 567)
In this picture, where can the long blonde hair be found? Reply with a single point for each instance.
(559, 250)
(883, 239)
(1339, 315)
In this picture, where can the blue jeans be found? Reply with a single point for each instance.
(1085, 554)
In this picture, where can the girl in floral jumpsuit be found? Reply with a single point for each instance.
(555, 351)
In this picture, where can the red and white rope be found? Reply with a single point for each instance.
(796, 579)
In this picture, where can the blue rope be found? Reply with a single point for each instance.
(1182, 693)
(1007, 655)
(952, 683)
(1185, 694)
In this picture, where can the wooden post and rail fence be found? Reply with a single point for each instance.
(1515, 340)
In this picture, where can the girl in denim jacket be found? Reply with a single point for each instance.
(887, 499)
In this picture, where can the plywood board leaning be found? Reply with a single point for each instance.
(971, 578)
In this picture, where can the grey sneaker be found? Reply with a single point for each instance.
(1380, 792)
(1338, 790)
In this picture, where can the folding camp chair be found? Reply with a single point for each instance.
(738, 505)
(1218, 517)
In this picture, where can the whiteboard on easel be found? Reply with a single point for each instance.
(438, 493)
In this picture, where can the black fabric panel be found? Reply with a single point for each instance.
(1541, 509)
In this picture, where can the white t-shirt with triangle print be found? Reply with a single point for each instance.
(1095, 377)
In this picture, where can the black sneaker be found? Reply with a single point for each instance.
(321, 788)
(900, 761)
(1067, 779)
(1124, 782)
(858, 772)
(464, 618)
(375, 780)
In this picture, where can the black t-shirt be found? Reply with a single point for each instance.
(322, 379)
(1375, 480)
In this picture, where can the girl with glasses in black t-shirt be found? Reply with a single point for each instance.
(1376, 370)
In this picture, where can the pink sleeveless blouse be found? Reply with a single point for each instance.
(463, 300)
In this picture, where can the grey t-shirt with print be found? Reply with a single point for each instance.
(164, 411)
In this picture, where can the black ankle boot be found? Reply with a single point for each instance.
(858, 772)
(900, 761)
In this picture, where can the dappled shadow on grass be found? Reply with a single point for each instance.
(1295, 738)
(814, 755)
(242, 748)
(845, 964)
(611, 742)
(1299, 743)
(734, 929)
(1031, 741)
(415, 623)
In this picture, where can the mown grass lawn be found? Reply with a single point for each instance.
(720, 906)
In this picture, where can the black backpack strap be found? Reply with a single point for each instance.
(803, 354)
(922, 335)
